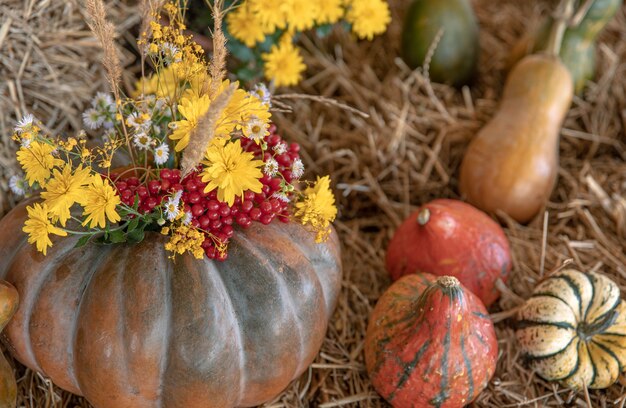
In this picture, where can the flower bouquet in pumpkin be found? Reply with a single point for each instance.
(202, 159)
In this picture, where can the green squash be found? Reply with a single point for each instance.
(456, 54)
(578, 49)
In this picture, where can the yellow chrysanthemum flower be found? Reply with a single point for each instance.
(301, 14)
(38, 227)
(242, 24)
(318, 208)
(329, 11)
(192, 109)
(241, 107)
(230, 170)
(99, 201)
(63, 190)
(284, 64)
(37, 161)
(164, 83)
(368, 17)
(270, 14)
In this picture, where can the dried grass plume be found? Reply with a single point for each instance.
(105, 32)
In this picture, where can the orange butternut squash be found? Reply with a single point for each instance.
(511, 165)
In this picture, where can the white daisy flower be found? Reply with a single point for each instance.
(143, 141)
(297, 168)
(169, 51)
(25, 123)
(280, 195)
(271, 167)
(161, 153)
(280, 148)
(177, 196)
(171, 208)
(261, 92)
(25, 141)
(18, 185)
(187, 218)
(255, 129)
(92, 118)
(103, 101)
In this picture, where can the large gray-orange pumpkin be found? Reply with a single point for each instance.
(125, 326)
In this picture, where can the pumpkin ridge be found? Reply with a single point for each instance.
(443, 395)
(235, 317)
(574, 370)
(304, 250)
(468, 366)
(593, 295)
(31, 297)
(576, 290)
(72, 346)
(553, 296)
(593, 366)
(167, 337)
(523, 324)
(481, 315)
(285, 293)
(610, 352)
(23, 240)
(408, 369)
(530, 357)
(610, 310)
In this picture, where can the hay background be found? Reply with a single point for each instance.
(408, 153)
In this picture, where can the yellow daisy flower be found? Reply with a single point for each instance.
(368, 17)
(192, 109)
(243, 25)
(99, 201)
(37, 161)
(284, 64)
(318, 208)
(301, 14)
(270, 14)
(38, 227)
(63, 190)
(164, 83)
(329, 11)
(231, 170)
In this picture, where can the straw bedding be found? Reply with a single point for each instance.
(407, 152)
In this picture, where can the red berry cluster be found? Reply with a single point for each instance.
(207, 212)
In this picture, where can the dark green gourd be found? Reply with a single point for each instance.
(456, 54)
(578, 49)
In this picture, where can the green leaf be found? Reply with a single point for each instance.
(136, 235)
(132, 224)
(83, 241)
(324, 30)
(117, 237)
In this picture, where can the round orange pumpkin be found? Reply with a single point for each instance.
(125, 326)
(430, 343)
(8, 306)
(450, 237)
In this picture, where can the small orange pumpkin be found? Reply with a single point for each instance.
(9, 300)
(430, 343)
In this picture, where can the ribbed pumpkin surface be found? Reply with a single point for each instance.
(429, 344)
(126, 327)
(573, 329)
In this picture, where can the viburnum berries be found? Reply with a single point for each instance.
(203, 211)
